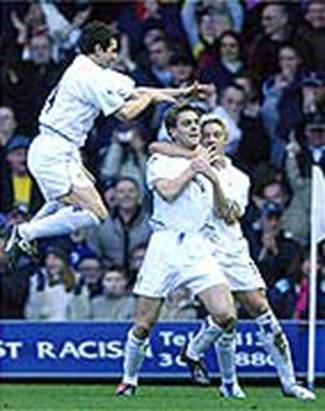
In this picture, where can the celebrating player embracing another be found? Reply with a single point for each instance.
(178, 253)
(231, 255)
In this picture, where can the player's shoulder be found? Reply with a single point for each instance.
(157, 158)
(118, 78)
(164, 159)
(239, 174)
(79, 71)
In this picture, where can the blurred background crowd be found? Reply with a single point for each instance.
(265, 64)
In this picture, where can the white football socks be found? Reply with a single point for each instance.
(208, 334)
(50, 207)
(64, 221)
(226, 353)
(277, 346)
(134, 354)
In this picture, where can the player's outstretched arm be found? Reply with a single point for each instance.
(142, 97)
(134, 106)
(194, 90)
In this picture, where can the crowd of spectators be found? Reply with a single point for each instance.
(265, 64)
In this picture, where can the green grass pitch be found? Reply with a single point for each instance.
(88, 397)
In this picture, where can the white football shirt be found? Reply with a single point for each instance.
(192, 209)
(84, 90)
(235, 186)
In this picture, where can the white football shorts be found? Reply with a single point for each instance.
(177, 259)
(56, 165)
(239, 269)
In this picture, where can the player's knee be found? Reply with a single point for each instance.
(226, 320)
(142, 330)
(259, 308)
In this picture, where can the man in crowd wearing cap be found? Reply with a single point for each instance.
(18, 188)
(278, 255)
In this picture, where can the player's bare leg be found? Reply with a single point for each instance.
(146, 314)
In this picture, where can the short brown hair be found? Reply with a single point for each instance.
(174, 112)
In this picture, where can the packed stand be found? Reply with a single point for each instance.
(265, 66)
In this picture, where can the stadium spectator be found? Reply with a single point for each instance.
(254, 147)
(282, 86)
(227, 64)
(292, 111)
(311, 36)
(116, 303)
(127, 226)
(277, 30)
(33, 23)
(8, 125)
(266, 188)
(51, 288)
(155, 72)
(302, 151)
(136, 258)
(232, 100)
(275, 252)
(204, 25)
(182, 68)
(13, 290)
(79, 248)
(47, 18)
(302, 300)
(147, 21)
(108, 190)
(296, 217)
(18, 188)
(90, 269)
(89, 285)
(252, 96)
(27, 83)
(125, 156)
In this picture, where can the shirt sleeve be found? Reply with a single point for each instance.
(161, 167)
(110, 90)
(240, 194)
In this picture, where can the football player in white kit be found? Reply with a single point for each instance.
(179, 254)
(88, 86)
(231, 254)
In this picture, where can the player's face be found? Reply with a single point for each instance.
(187, 131)
(109, 56)
(214, 134)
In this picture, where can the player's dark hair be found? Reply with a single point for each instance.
(174, 112)
(94, 33)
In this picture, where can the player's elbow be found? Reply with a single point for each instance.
(167, 196)
(166, 191)
(154, 148)
(125, 114)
